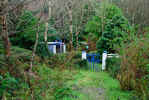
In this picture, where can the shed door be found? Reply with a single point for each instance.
(58, 49)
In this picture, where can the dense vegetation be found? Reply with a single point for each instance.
(29, 71)
(110, 30)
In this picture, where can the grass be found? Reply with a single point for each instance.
(89, 85)
(84, 84)
(112, 87)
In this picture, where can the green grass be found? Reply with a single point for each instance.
(112, 88)
(85, 85)
(90, 82)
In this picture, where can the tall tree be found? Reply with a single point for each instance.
(136, 11)
(4, 32)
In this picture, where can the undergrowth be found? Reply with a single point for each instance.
(47, 81)
(134, 67)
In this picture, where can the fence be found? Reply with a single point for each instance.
(94, 59)
(104, 58)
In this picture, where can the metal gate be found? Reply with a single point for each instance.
(94, 61)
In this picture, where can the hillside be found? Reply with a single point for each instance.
(74, 50)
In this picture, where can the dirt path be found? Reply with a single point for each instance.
(96, 86)
(87, 86)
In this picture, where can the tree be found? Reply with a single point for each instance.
(109, 29)
(6, 7)
(136, 11)
(25, 30)
(4, 32)
(70, 17)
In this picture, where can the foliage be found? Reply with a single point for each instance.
(42, 48)
(68, 60)
(52, 34)
(7, 84)
(26, 30)
(139, 15)
(110, 28)
(1, 48)
(43, 51)
(44, 83)
(134, 67)
(94, 26)
(107, 29)
(47, 81)
(113, 66)
(78, 62)
(20, 62)
(51, 84)
(115, 29)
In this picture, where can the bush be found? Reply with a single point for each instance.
(77, 60)
(113, 66)
(26, 30)
(134, 72)
(109, 29)
(44, 84)
(42, 50)
(7, 85)
(68, 60)
(51, 84)
(115, 29)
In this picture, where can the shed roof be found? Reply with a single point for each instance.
(55, 43)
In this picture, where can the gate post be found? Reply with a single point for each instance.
(104, 58)
(83, 55)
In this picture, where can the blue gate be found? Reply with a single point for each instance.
(93, 60)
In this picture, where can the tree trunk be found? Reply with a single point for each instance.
(69, 9)
(46, 32)
(35, 47)
(47, 24)
(71, 28)
(4, 96)
(77, 40)
(5, 37)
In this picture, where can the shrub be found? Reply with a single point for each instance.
(109, 28)
(113, 66)
(50, 84)
(82, 64)
(115, 29)
(135, 67)
(42, 50)
(77, 60)
(8, 84)
(26, 30)
(68, 60)
(94, 26)
(58, 61)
